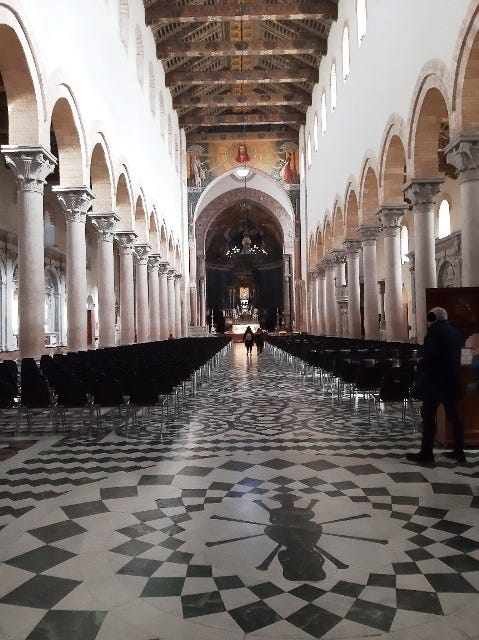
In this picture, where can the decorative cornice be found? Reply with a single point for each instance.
(31, 166)
(105, 224)
(422, 192)
(463, 154)
(126, 241)
(75, 202)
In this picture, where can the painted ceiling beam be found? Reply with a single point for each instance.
(165, 12)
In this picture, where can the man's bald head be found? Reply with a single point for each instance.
(436, 314)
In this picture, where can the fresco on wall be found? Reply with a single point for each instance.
(207, 161)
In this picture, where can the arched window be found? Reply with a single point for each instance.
(444, 222)
(309, 152)
(323, 113)
(333, 84)
(316, 133)
(139, 55)
(345, 53)
(124, 18)
(361, 16)
(152, 89)
(404, 244)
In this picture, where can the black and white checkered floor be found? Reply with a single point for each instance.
(265, 509)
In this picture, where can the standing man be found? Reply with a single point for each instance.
(439, 373)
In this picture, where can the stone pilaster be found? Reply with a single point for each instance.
(75, 202)
(463, 154)
(142, 251)
(422, 193)
(391, 219)
(105, 225)
(126, 243)
(31, 166)
(154, 260)
(353, 248)
(368, 234)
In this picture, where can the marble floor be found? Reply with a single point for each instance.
(266, 509)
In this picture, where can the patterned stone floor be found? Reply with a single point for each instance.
(267, 508)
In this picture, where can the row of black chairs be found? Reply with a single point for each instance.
(381, 372)
(128, 378)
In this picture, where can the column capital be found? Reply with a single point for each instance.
(411, 256)
(126, 241)
(178, 276)
(352, 246)
(154, 260)
(368, 234)
(391, 217)
(170, 274)
(422, 192)
(31, 166)
(163, 268)
(105, 224)
(142, 250)
(463, 154)
(338, 256)
(75, 202)
(327, 263)
(320, 271)
(313, 273)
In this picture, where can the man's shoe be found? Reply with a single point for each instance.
(458, 456)
(420, 458)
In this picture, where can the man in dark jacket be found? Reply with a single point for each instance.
(440, 370)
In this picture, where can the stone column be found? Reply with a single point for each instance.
(330, 297)
(287, 277)
(75, 202)
(163, 300)
(193, 297)
(154, 295)
(339, 257)
(126, 243)
(31, 166)
(463, 153)
(354, 311)
(178, 329)
(313, 277)
(105, 224)
(142, 251)
(171, 301)
(412, 275)
(421, 193)
(368, 234)
(202, 289)
(321, 287)
(391, 218)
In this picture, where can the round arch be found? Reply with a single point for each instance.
(69, 143)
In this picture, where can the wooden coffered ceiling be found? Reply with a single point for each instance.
(241, 67)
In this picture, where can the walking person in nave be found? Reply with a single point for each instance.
(248, 339)
(259, 339)
(438, 382)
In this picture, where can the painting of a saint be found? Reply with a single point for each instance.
(288, 172)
